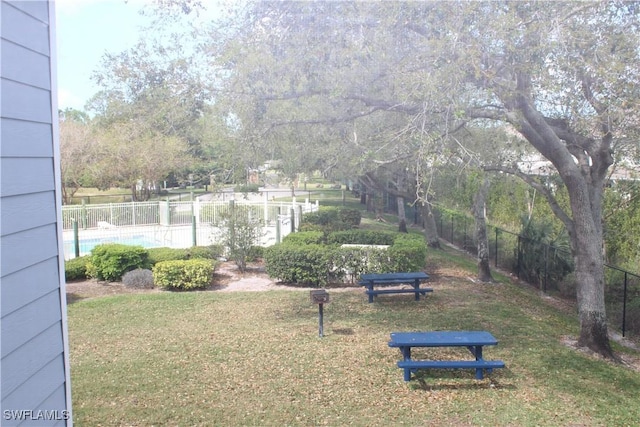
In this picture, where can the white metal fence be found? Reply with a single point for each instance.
(174, 224)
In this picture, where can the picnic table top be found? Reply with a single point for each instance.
(441, 339)
(403, 276)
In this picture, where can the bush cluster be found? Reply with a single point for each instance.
(331, 219)
(300, 264)
(302, 258)
(361, 237)
(76, 269)
(157, 255)
(110, 261)
(184, 275)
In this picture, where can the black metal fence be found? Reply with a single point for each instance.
(546, 267)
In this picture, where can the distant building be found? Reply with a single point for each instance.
(34, 365)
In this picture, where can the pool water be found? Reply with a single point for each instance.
(86, 245)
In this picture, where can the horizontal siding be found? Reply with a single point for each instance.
(29, 211)
(57, 396)
(33, 324)
(42, 385)
(22, 28)
(28, 139)
(20, 366)
(25, 66)
(25, 175)
(37, 9)
(29, 320)
(23, 102)
(28, 248)
(22, 287)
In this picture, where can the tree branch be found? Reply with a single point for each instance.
(530, 180)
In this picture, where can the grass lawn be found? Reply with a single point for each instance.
(255, 358)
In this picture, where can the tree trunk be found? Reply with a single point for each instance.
(586, 242)
(482, 241)
(401, 212)
(402, 218)
(430, 227)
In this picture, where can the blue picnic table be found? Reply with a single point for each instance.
(474, 341)
(413, 278)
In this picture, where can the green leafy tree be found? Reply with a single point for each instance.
(239, 230)
(559, 74)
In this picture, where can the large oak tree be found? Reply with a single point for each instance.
(561, 74)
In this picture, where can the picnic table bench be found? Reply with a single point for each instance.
(415, 278)
(474, 341)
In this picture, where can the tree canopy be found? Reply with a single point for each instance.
(562, 75)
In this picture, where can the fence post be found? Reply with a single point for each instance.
(83, 215)
(292, 215)
(452, 241)
(496, 261)
(518, 258)
(624, 305)
(168, 212)
(464, 235)
(76, 239)
(193, 231)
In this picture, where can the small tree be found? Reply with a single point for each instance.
(238, 230)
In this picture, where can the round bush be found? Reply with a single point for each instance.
(111, 260)
(184, 274)
(76, 269)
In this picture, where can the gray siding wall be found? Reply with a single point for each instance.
(34, 366)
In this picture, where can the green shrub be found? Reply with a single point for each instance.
(184, 274)
(323, 216)
(331, 219)
(110, 261)
(351, 262)
(408, 253)
(205, 252)
(306, 264)
(157, 255)
(304, 238)
(350, 217)
(255, 253)
(300, 259)
(361, 237)
(76, 269)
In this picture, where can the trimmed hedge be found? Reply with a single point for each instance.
(184, 275)
(157, 255)
(76, 268)
(111, 260)
(305, 238)
(362, 237)
(331, 219)
(408, 253)
(302, 264)
(297, 261)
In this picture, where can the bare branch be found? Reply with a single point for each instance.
(530, 180)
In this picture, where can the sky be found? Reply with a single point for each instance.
(86, 30)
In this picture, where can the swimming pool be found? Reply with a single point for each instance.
(86, 245)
